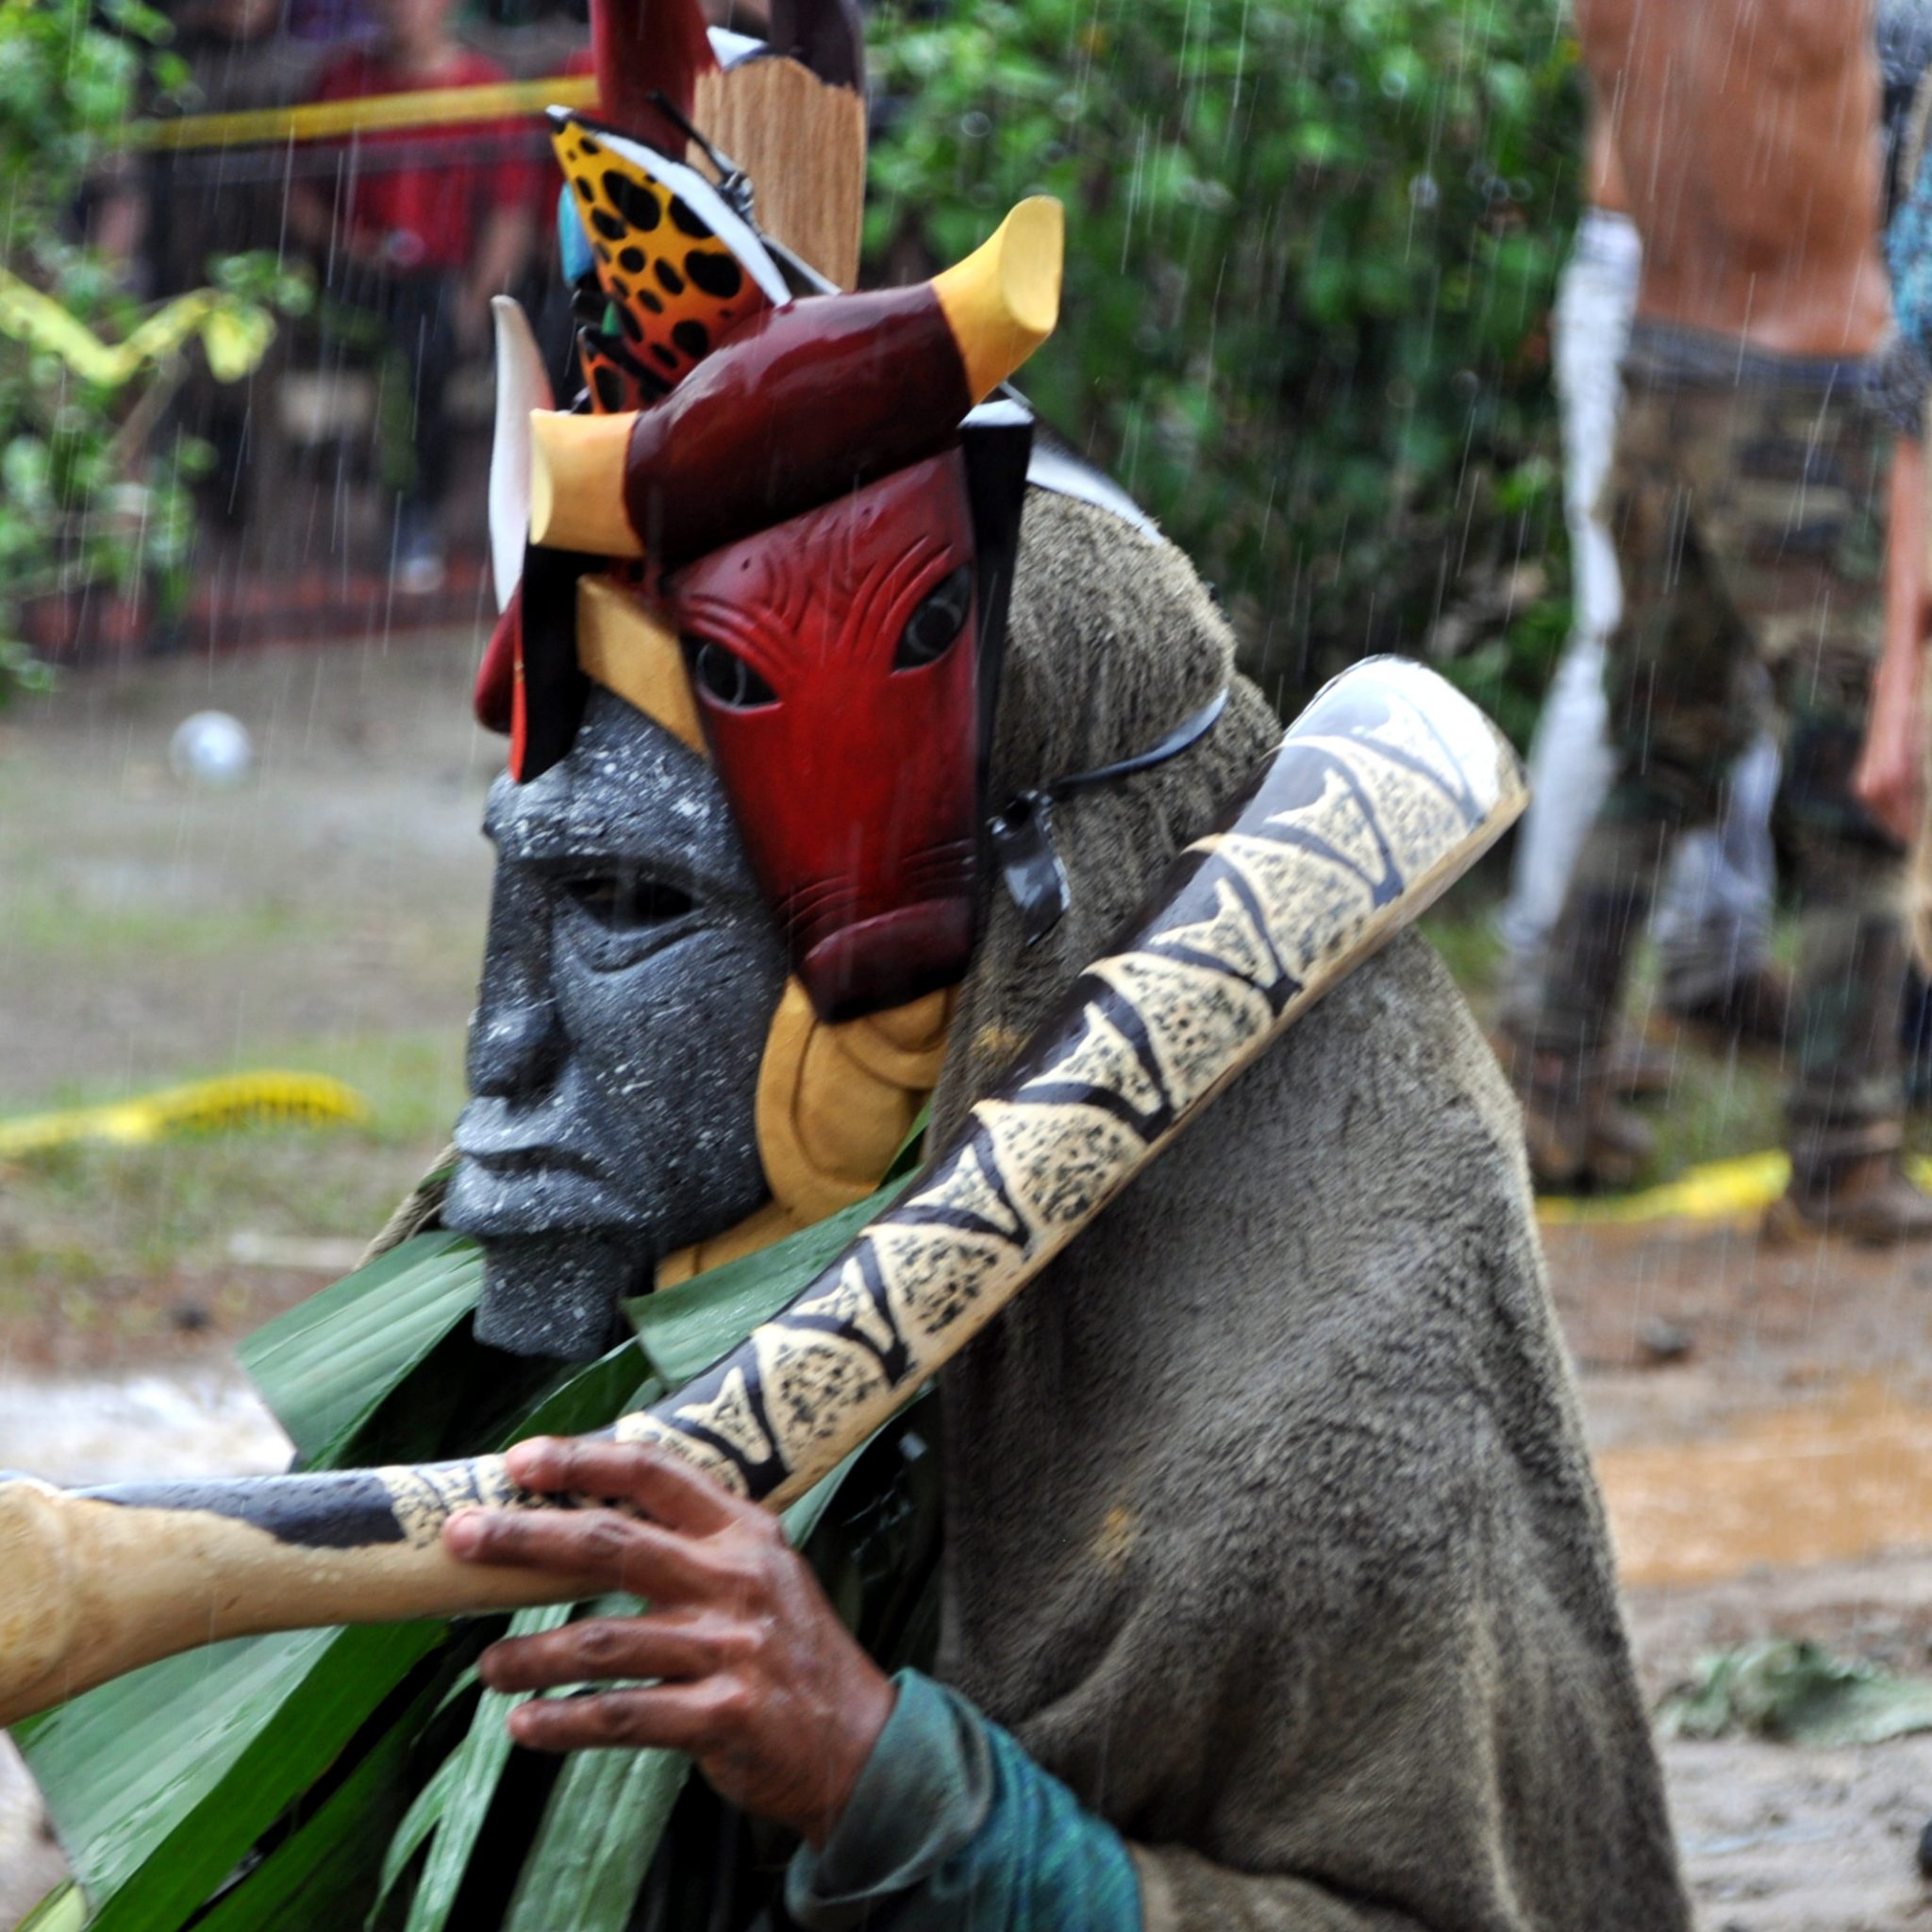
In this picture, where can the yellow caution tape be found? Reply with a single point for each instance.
(235, 1100)
(432, 106)
(1718, 1191)
(235, 336)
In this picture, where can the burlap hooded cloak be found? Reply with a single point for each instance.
(1270, 1525)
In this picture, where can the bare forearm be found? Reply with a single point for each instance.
(1905, 564)
(311, 217)
(502, 249)
(1889, 778)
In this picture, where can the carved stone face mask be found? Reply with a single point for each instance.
(629, 982)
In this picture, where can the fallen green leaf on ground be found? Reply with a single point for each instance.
(1797, 1692)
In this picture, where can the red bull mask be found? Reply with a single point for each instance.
(793, 550)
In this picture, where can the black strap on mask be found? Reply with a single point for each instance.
(1023, 832)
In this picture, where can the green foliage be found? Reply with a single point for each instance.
(452, 1808)
(69, 75)
(1798, 1692)
(372, 1756)
(1311, 246)
(83, 498)
(327, 1365)
(593, 1845)
(162, 1781)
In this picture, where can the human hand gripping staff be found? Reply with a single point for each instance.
(1384, 791)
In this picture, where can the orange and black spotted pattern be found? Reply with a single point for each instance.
(613, 378)
(677, 289)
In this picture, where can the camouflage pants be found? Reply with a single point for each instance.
(1749, 519)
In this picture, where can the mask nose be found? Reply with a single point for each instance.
(516, 1044)
(514, 1048)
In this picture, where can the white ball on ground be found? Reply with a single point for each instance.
(212, 749)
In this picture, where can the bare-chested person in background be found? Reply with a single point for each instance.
(1749, 500)
(1748, 131)
(1713, 916)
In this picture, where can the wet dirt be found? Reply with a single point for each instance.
(1772, 1477)
(151, 924)
(1831, 1482)
(1776, 1839)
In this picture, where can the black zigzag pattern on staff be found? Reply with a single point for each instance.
(895, 1359)
(761, 1477)
(1383, 890)
(1457, 787)
(1277, 987)
(1287, 983)
(917, 1214)
(1460, 792)
(1097, 996)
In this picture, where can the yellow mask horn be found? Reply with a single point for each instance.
(1002, 302)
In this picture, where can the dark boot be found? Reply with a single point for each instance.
(1575, 1134)
(1558, 1050)
(1755, 1010)
(1862, 1195)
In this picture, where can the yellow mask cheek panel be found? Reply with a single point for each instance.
(622, 645)
(835, 1104)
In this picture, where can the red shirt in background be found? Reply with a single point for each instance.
(426, 211)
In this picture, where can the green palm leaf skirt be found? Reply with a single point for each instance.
(344, 1778)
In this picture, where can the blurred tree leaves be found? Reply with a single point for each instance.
(92, 496)
(1312, 251)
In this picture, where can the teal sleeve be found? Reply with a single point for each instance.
(951, 1827)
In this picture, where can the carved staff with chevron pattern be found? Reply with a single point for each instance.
(1381, 794)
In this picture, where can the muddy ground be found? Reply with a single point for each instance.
(1772, 1477)
(148, 927)
(1764, 1415)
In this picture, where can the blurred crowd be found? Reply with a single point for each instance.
(1741, 342)
(408, 232)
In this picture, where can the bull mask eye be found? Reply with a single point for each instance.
(933, 628)
(725, 676)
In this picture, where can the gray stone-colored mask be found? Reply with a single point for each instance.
(629, 982)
